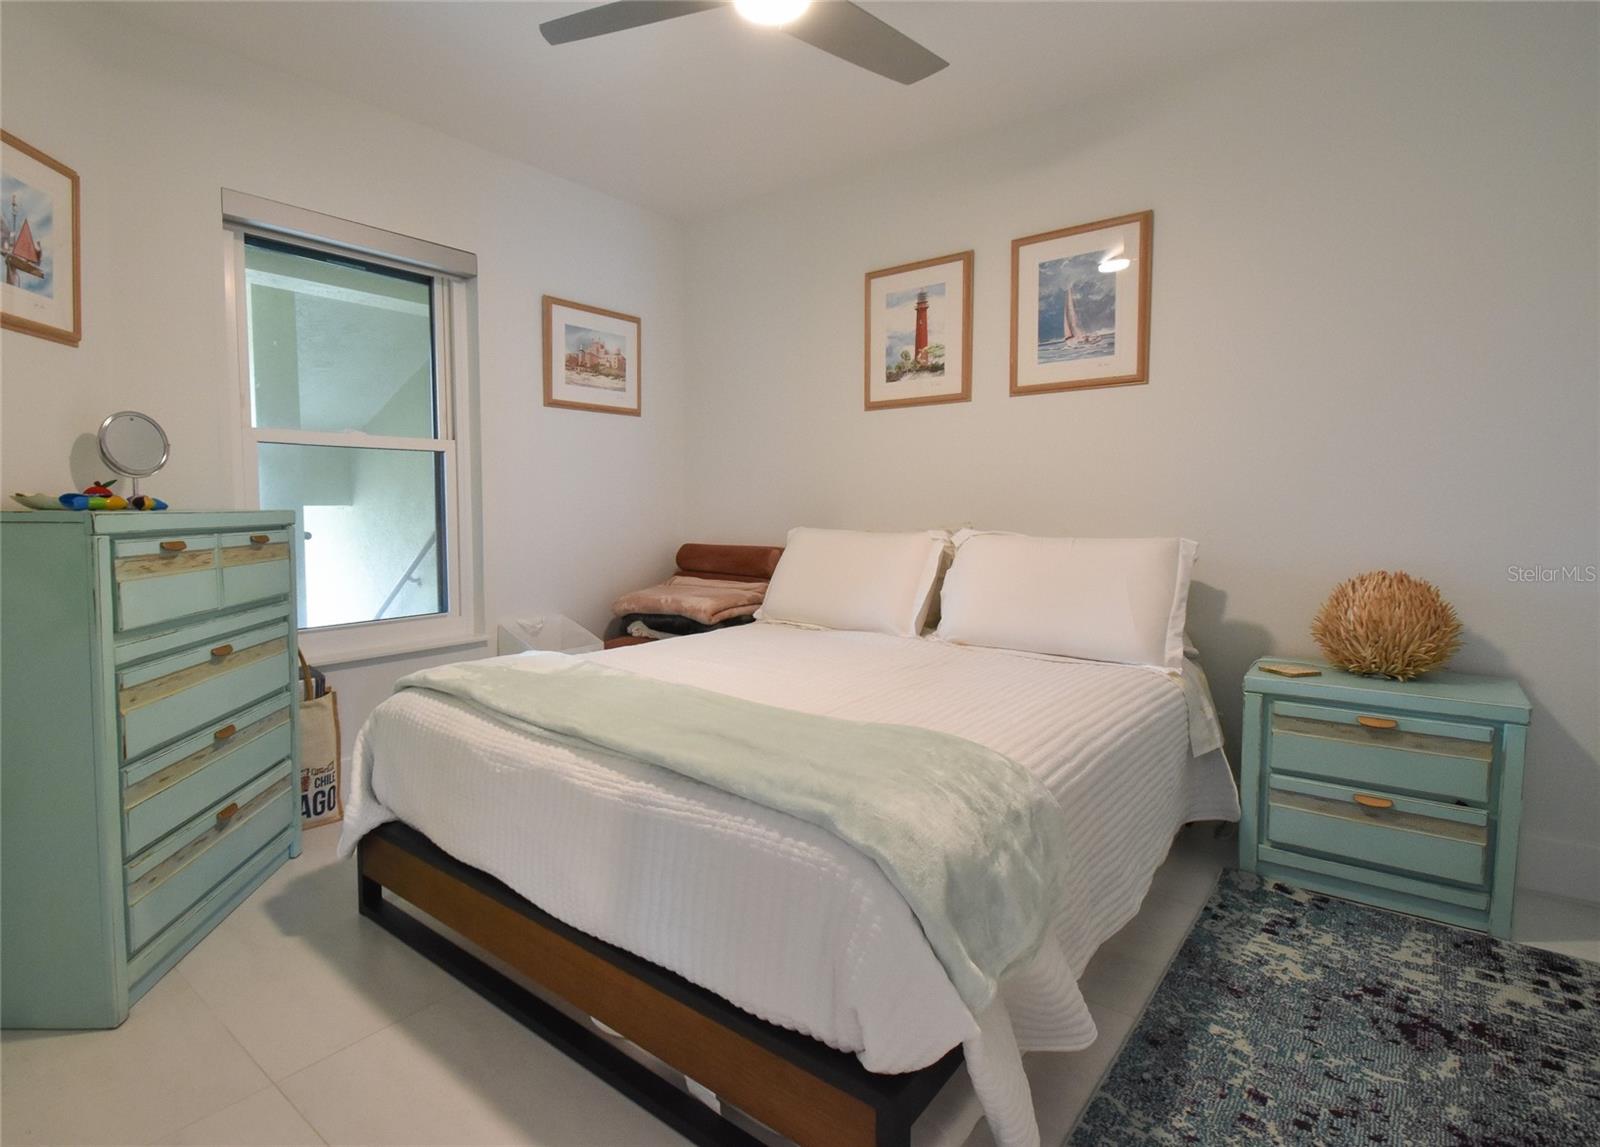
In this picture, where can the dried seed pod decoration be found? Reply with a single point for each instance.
(1383, 624)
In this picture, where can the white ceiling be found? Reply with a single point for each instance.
(693, 114)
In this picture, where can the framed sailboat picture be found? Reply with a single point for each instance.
(1080, 306)
(919, 333)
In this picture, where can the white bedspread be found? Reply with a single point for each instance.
(777, 915)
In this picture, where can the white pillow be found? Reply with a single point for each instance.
(1106, 599)
(849, 579)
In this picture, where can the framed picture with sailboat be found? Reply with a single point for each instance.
(1080, 306)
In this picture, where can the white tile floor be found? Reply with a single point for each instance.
(298, 1022)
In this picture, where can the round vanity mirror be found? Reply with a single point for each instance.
(133, 444)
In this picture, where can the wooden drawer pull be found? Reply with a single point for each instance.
(1367, 801)
(1378, 722)
(227, 813)
(225, 732)
(260, 539)
(175, 547)
(222, 651)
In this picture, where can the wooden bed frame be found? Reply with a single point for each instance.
(815, 1095)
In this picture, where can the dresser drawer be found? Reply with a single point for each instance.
(166, 880)
(160, 579)
(1386, 830)
(255, 566)
(189, 928)
(168, 788)
(1415, 754)
(196, 687)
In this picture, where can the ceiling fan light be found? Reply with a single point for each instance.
(772, 13)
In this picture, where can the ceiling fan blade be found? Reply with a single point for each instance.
(604, 19)
(850, 32)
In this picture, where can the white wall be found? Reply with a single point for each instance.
(1373, 345)
(577, 507)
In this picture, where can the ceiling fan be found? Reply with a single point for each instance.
(838, 27)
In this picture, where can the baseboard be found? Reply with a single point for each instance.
(1559, 867)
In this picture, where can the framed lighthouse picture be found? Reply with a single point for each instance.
(39, 242)
(591, 358)
(1080, 306)
(919, 333)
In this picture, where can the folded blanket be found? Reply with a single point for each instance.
(971, 839)
(707, 600)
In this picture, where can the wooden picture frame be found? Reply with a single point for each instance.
(42, 292)
(1077, 322)
(914, 312)
(592, 358)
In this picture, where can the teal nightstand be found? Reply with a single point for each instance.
(1403, 794)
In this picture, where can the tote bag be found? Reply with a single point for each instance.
(319, 751)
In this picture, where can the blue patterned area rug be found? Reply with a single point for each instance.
(1292, 1017)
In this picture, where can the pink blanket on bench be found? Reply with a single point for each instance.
(706, 600)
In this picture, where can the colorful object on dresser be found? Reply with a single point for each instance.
(96, 496)
(1387, 625)
(133, 824)
(1406, 795)
(1276, 1023)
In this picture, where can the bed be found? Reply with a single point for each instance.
(776, 916)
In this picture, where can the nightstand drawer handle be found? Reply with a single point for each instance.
(260, 539)
(221, 651)
(225, 732)
(1366, 801)
(1378, 722)
(227, 813)
(174, 547)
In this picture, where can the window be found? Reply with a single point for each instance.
(348, 378)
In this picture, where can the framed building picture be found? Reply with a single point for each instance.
(919, 333)
(591, 358)
(1080, 306)
(39, 243)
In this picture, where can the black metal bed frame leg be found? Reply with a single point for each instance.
(893, 1130)
(369, 894)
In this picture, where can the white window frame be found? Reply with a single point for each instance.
(461, 625)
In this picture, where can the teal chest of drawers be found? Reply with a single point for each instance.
(148, 741)
(1406, 795)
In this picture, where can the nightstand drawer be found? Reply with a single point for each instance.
(1447, 842)
(1444, 758)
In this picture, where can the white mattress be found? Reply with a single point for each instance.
(776, 915)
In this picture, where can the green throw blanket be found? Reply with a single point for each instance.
(971, 839)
